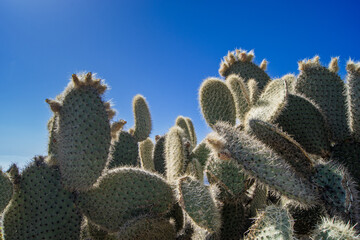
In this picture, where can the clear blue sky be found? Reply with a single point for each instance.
(161, 49)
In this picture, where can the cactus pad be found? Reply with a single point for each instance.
(216, 102)
(124, 151)
(197, 201)
(142, 118)
(41, 208)
(83, 132)
(324, 86)
(257, 161)
(353, 97)
(146, 148)
(241, 63)
(138, 193)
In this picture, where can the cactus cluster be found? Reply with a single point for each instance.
(281, 163)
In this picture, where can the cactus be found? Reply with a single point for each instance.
(217, 102)
(353, 97)
(261, 163)
(241, 93)
(175, 154)
(284, 162)
(94, 232)
(347, 153)
(284, 145)
(195, 169)
(240, 63)
(146, 148)
(277, 106)
(191, 128)
(83, 131)
(40, 207)
(137, 193)
(234, 221)
(334, 229)
(6, 189)
(142, 117)
(159, 155)
(323, 86)
(124, 151)
(201, 153)
(337, 190)
(147, 227)
(228, 176)
(198, 203)
(182, 123)
(272, 223)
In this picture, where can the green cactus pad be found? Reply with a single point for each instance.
(353, 97)
(324, 86)
(6, 190)
(334, 229)
(159, 155)
(197, 201)
(277, 106)
(176, 213)
(290, 80)
(138, 192)
(284, 145)
(337, 190)
(306, 219)
(228, 176)
(146, 148)
(181, 122)
(195, 169)
(240, 93)
(175, 154)
(240, 63)
(190, 125)
(41, 208)
(142, 128)
(347, 153)
(147, 227)
(83, 132)
(253, 91)
(234, 223)
(124, 151)
(273, 223)
(261, 163)
(216, 102)
(201, 153)
(90, 231)
(259, 200)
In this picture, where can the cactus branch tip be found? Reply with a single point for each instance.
(334, 65)
(55, 106)
(353, 67)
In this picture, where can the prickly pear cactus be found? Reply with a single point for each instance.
(138, 193)
(279, 154)
(142, 118)
(83, 134)
(324, 86)
(217, 102)
(40, 207)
